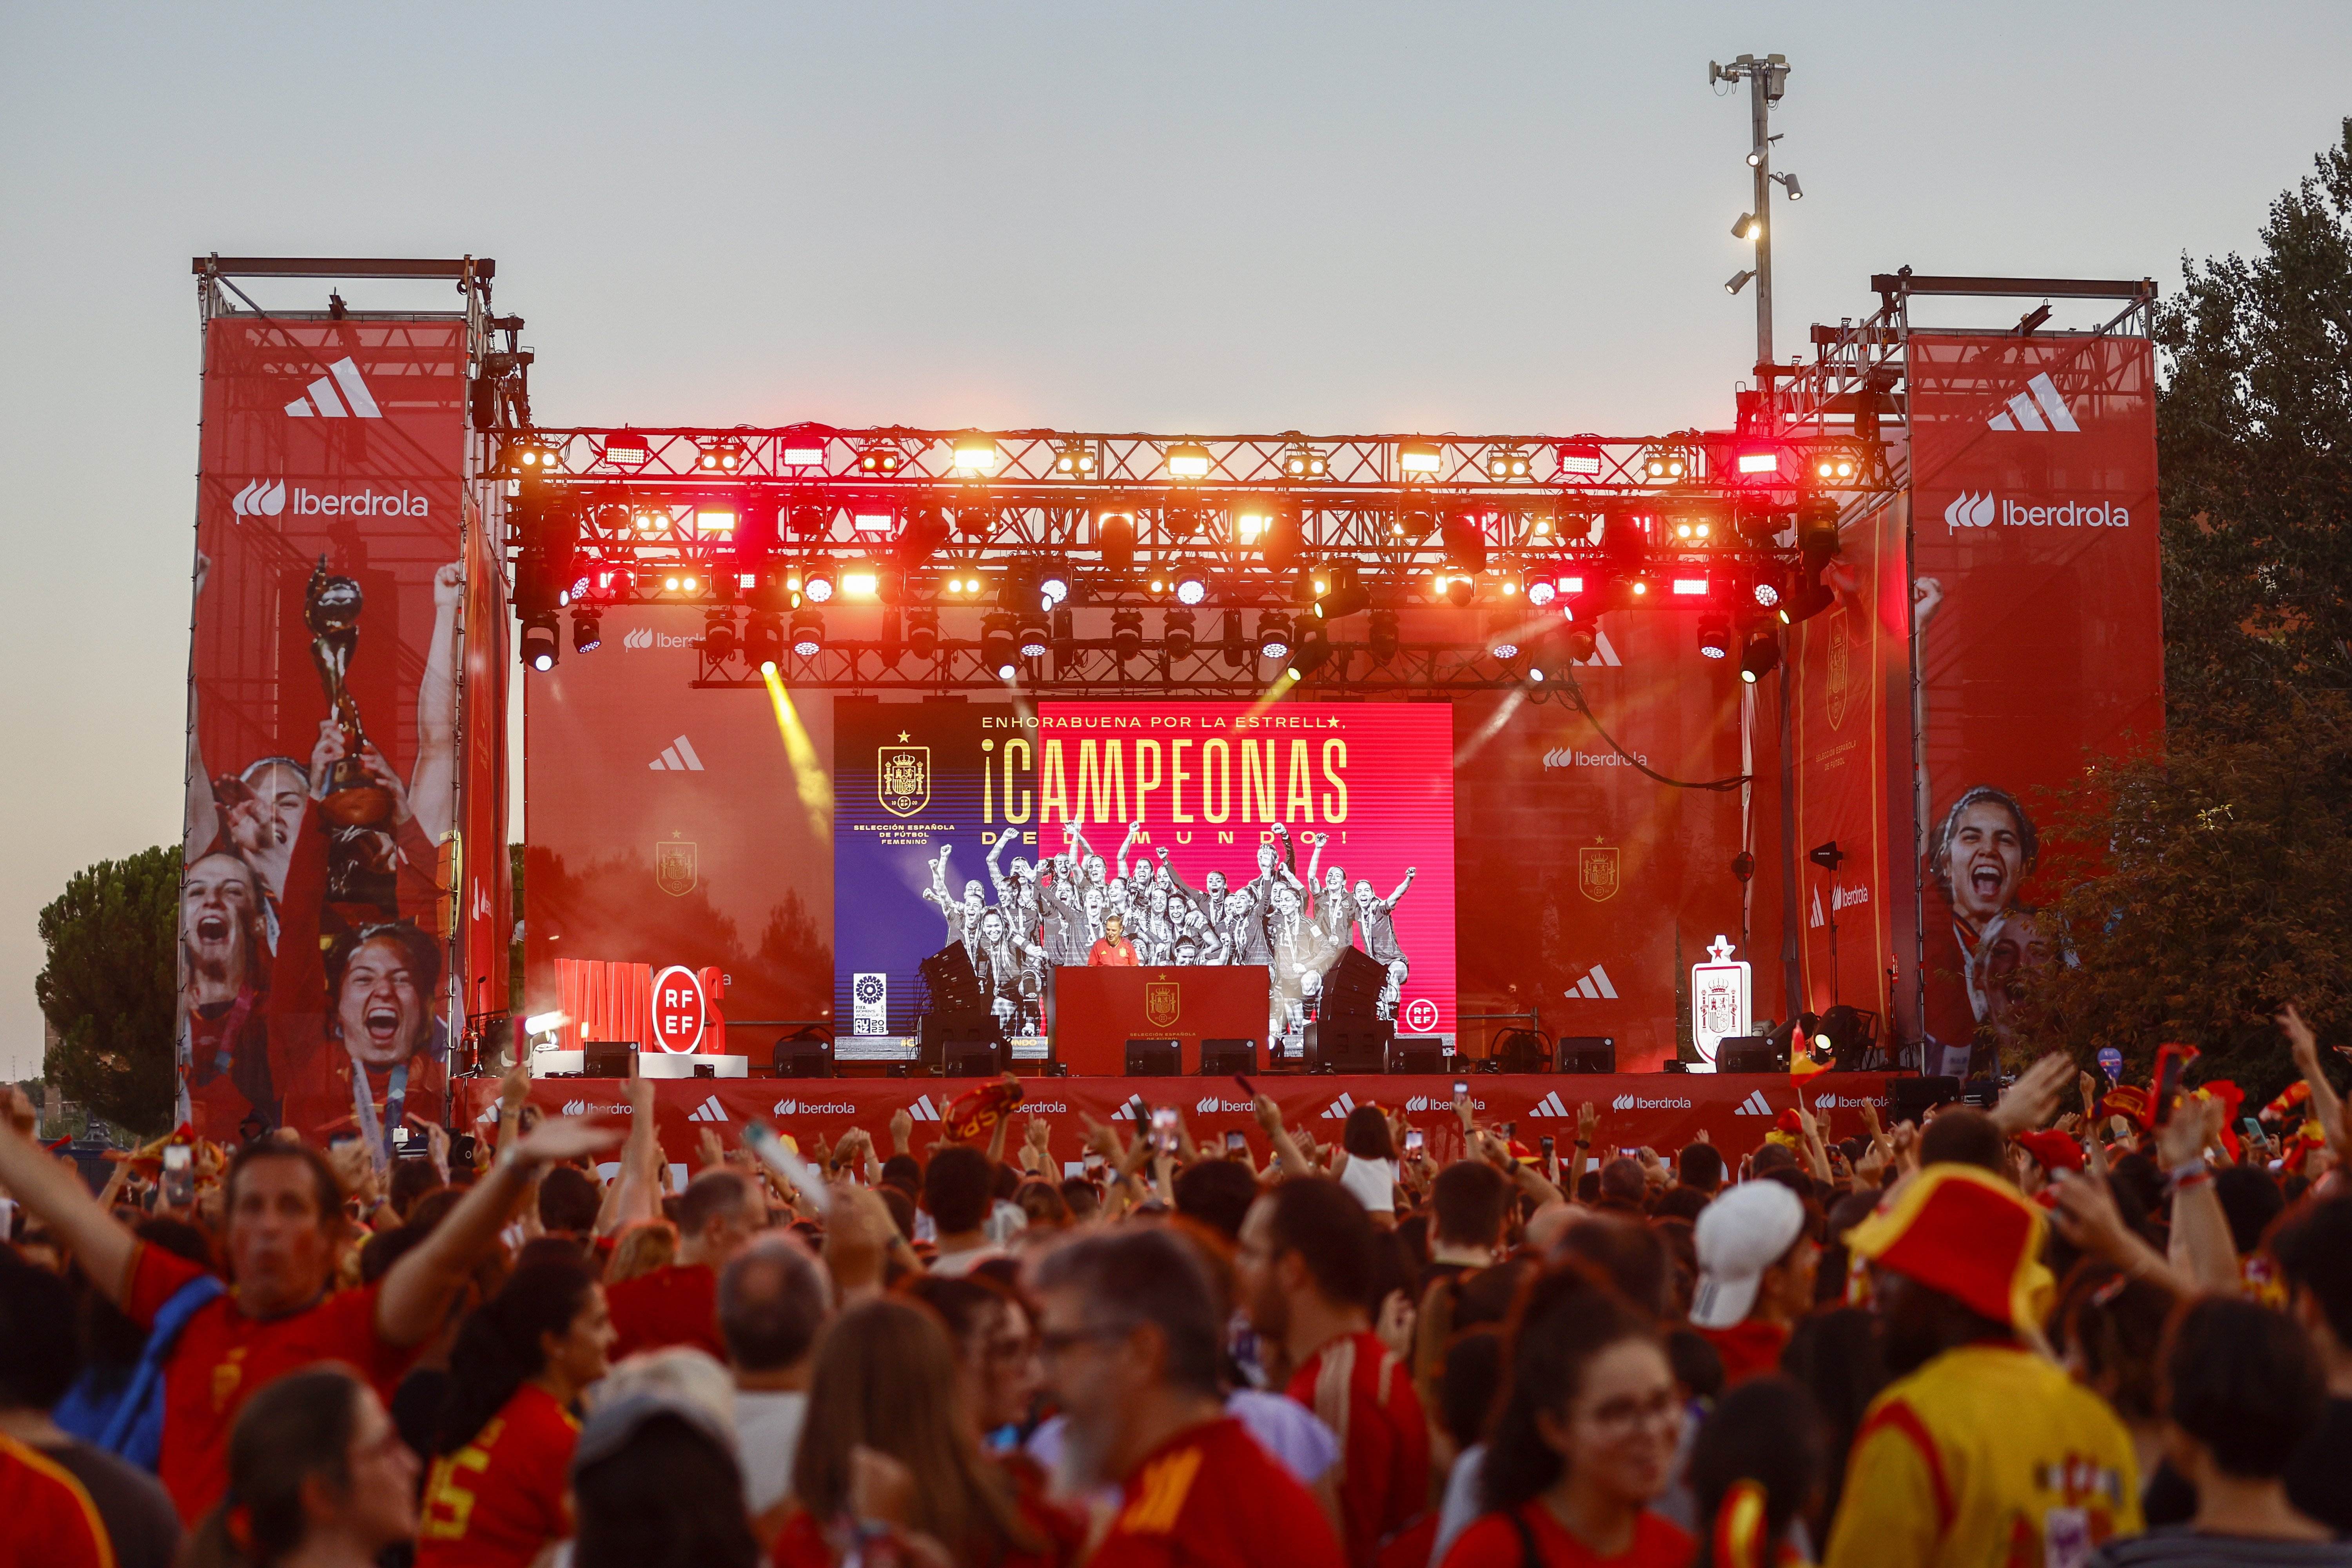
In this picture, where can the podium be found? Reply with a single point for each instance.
(1091, 1012)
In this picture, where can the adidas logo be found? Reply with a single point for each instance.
(924, 1111)
(490, 1115)
(319, 398)
(2039, 407)
(709, 1110)
(1604, 653)
(1553, 1107)
(1339, 1109)
(677, 757)
(1969, 510)
(259, 498)
(1594, 987)
(638, 639)
(1754, 1105)
(1818, 919)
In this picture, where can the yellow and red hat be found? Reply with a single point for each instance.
(1967, 1234)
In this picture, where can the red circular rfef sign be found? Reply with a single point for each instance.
(679, 1010)
(1421, 1013)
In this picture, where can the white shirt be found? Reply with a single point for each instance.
(956, 1264)
(1373, 1182)
(767, 1439)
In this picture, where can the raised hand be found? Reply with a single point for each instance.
(560, 1138)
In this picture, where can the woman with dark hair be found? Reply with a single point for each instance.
(1840, 1358)
(506, 1435)
(1584, 1439)
(1369, 1170)
(997, 1371)
(655, 1476)
(887, 1444)
(2108, 1331)
(1755, 1466)
(315, 1471)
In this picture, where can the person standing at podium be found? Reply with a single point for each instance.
(1114, 950)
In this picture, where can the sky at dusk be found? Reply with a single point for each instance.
(1489, 218)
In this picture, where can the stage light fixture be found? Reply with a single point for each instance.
(1344, 592)
(1540, 526)
(976, 520)
(1415, 456)
(1583, 459)
(1789, 182)
(1279, 545)
(1465, 542)
(1190, 587)
(715, 521)
(1180, 522)
(881, 460)
(1313, 652)
(808, 519)
(1760, 462)
(1054, 585)
(1414, 526)
(974, 454)
(718, 635)
(1662, 467)
(649, 518)
(720, 456)
(1251, 515)
(962, 583)
(817, 582)
(587, 632)
(1158, 584)
(874, 518)
(1755, 158)
(532, 457)
(1180, 634)
(763, 642)
(925, 532)
(1187, 460)
(1760, 657)
(1693, 530)
(1688, 587)
(1766, 594)
(1738, 281)
(1075, 461)
(808, 634)
(1836, 468)
(1035, 636)
(627, 450)
(860, 579)
(1715, 636)
(998, 630)
(1126, 634)
(1578, 639)
(923, 633)
(1230, 640)
(1274, 635)
(803, 449)
(541, 646)
(1065, 636)
(1305, 462)
(1504, 464)
(1539, 589)
(1115, 536)
(1503, 633)
(1748, 227)
(1382, 637)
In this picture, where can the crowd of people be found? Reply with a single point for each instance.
(2092, 1325)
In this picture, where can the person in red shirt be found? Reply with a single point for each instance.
(1584, 1440)
(284, 1230)
(1132, 1337)
(1757, 1264)
(317, 1474)
(495, 1495)
(50, 1519)
(1114, 950)
(1304, 1276)
(677, 1304)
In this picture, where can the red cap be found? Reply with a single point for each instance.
(2053, 1151)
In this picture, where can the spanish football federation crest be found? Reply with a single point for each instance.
(1596, 872)
(674, 867)
(1163, 1002)
(1839, 674)
(902, 777)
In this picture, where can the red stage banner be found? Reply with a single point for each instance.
(1636, 1110)
(322, 797)
(1095, 1012)
(2035, 554)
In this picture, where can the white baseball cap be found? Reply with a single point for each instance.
(1741, 1234)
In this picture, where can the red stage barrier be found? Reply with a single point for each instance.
(1659, 1111)
(1096, 1012)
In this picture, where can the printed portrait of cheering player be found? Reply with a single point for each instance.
(1016, 893)
(1375, 918)
(224, 1049)
(1984, 849)
(2011, 947)
(1333, 913)
(354, 1038)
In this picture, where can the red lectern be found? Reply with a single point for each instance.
(1092, 1013)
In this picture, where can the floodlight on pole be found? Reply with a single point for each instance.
(1738, 281)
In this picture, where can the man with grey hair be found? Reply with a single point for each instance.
(774, 1300)
(678, 1304)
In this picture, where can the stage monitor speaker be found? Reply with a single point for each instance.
(1349, 1045)
(1154, 1058)
(1749, 1052)
(801, 1056)
(608, 1059)
(1225, 1058)
(1424, 1054)
(1588, 1053)
(966, 1058)
(1984, 1093)
(1910, 1099)
(1351, 986)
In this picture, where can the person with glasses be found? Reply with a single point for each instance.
(1130, 1336)
(1584, 1439)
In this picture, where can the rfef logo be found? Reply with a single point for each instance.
(679, 1011)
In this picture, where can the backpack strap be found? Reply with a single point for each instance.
(1528, 1556)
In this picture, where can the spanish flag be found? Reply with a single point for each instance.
(2290, 1096)
(1803, 1066)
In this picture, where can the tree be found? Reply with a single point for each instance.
(109, 986)
(2254, 446)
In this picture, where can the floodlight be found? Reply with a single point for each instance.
(997, 631)
(1748, 227)
(1738, 281)
(540, 647)
(1418, 456)
(1761, 462)
(1187, 460)
(1789, 182)
(1584, 460)
(974, 454)
(763, 642)
(1075, 461)
(1181, 635)
(1759, 657)
(1304, 462)
(719, 635)
(859, 581)
(1506, 463)
(1126, 634)
(587, 632)
(923, 633)
(1715, 636)
(1274, 635)
(881, 460)
(1190, 587)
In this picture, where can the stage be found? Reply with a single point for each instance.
(1658, 1110)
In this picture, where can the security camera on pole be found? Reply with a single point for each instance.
(1766, 80)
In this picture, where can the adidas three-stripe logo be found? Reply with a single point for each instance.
(319, 398)
(1551, 1105)
(1595, 985)
(924, 1111)
(677, 757)
(709, 1110)
(2039, 407)
(1754, 1105)
(1339, 1109)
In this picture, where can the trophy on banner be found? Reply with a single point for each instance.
(330, 608)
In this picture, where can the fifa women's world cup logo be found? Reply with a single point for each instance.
(330, 608)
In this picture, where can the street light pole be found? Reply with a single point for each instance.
(1766, 80)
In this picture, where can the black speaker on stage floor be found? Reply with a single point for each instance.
(1750, 1053)
(608, 1059)
(1226, 1057)
(1154, 1058)
(966, 1058)
(1417, 1054)
(1588, 1053)
(1349, 1045)
(802, 1056)
(1910, 1099)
